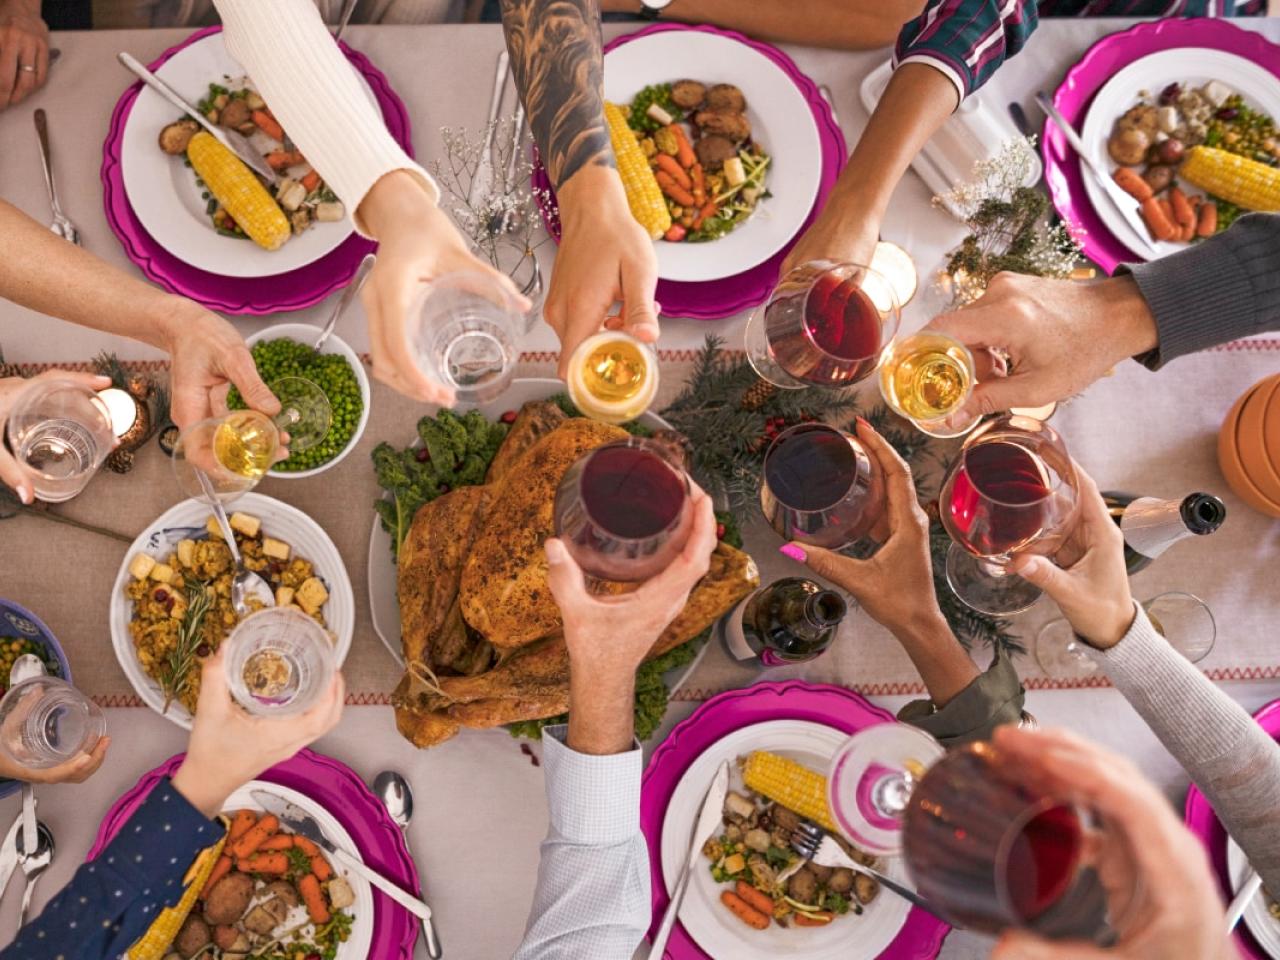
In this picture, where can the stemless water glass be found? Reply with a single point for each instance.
(1012, 490)
(60, 431)
(1181, 618)
(46, 721)
(986, 843)
(624, 511)
(821, 487)
(464, 333)
(279, 661)
(225, 456)
(824, 325)
(927, 378)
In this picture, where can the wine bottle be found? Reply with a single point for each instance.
(789, 621)
(1150, 525)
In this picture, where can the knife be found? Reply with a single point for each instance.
(1121, 200)
(709, 818)
(299, 821)
(233, 140)
(9, 855)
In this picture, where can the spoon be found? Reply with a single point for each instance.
(394, 792)
(34, 864)
(1248, 890)
(27, 667)
(24, 668)
(245, 585)
(349, 294)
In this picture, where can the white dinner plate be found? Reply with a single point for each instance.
(187, 520)
(1189, 66)
(712, 926)
(781, 122)
(163, 192)
(356, 947)
(1264, 927)
(383, 604)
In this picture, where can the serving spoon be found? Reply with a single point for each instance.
(245, 585)
(396, 795)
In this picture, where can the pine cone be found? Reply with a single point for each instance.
(758, 395)
(120, 460)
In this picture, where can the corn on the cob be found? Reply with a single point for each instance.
(791, 784)
(1239, 180)
(644, 196)
(157, 941)
(239, 191)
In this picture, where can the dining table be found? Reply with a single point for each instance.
(480, 809)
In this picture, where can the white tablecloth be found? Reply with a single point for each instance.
(481, 813)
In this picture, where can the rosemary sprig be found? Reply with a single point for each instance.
(181, 659)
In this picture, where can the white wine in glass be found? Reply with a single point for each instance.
(926, 378)
(613, 377)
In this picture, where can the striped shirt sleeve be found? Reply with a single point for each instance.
(967, 40)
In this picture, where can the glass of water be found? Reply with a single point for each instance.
(60, 431)
(279, 661)
(464, 333)
(46, 721)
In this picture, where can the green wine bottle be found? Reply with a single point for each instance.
(789, 621)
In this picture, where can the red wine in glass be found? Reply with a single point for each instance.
(993, 852)
(624, 511)
(821, 487)
(825, 325)
(993, 508)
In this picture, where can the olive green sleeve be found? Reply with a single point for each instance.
(992, 699)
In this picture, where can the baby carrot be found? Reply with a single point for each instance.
(744, 911)
(819, 919)
(241, 821)
(281, 841)
(305, 845)
(669, 164)
(313, 897)
(684, 150)
(673, 190)
(268, 124)
(1158, 222)
(1129, 181)
(1208, 223)
(248, 844)
(282, 159)
(1182, 212)
(220, 870)
(320, 867)
(311, 180)
(275, 864)
(708, 209)
(761, 901)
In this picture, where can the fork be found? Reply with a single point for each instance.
(62, 224)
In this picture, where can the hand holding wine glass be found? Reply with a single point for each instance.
(1093, 591)
(1182, 917)
(208, 357)
(229, 747)
(1060, 336)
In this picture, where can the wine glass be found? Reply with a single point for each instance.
(60, 431)
(821, 487)
(824, 325)
(927, 378)
(1181, 618)
(279, 661)
(612, 376)
(986, 843)
(223, 457)
(1012, 490)
(624, 510)
(463, 333)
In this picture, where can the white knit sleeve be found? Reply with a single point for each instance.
(295, 65)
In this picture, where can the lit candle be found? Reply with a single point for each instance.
(896, 266)
(122, 409)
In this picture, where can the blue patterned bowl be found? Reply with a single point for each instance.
(17, 621)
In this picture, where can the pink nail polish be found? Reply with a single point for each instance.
(794, 551)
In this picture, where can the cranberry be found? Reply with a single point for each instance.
(161, 594)
(203, 650)
(508, 417)
(276, 568)
(719, 531)
(1227, 113)
(1170, 94)
(422, 455)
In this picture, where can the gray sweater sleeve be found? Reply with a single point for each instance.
(1219, 290)
(1233, 761)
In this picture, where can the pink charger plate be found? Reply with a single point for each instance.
(920, 937)
(1204, 823)
(1104, 59)
(336, 787)
(295, 290)
(715, 299)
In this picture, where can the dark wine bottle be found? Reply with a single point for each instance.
(1150, 525)
(789, 621)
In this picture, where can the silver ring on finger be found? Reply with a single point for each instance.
(26, 67)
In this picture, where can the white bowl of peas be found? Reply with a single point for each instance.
(285, 350)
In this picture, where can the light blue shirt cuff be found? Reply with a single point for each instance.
(591, 799)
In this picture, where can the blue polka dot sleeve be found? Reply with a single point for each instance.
(111, 901)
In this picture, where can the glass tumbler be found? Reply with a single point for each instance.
(60, 431)
(279, 661)
(46, 721)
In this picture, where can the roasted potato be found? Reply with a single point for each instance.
(229, 898)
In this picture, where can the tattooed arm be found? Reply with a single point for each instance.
(605, 256)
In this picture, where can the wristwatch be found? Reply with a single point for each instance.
(652, 9)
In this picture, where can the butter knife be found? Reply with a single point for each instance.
(9, 855)
(1124, 203)
(233, 140)
(299, 821)
(709, 818)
